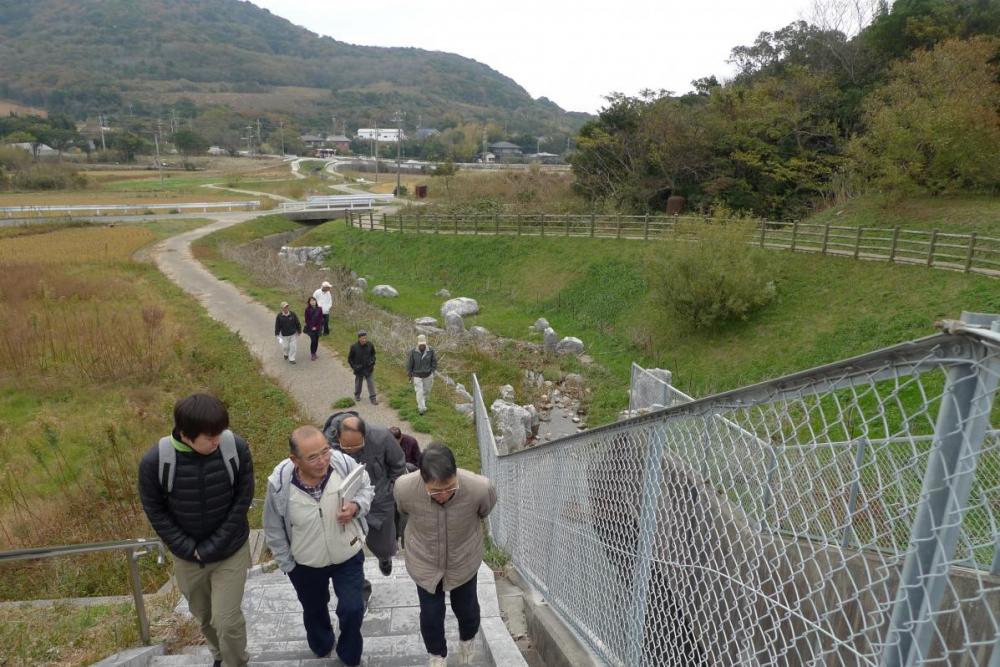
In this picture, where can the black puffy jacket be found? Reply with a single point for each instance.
(204, 512)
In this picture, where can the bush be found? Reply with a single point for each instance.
(712, 276)
(48, 177)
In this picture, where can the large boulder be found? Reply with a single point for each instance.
(479, 331)
(651, 389)
(384, 290)
(569, 345)
(551, 340)
(463, 392)
(453, 323)
(443, 293)
(541, 324)
(462, 305)
(362, 283)
(425, 321)
(513, 424)
(354, 291)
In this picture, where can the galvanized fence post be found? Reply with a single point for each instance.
(140, 603)
(961, 425)
(651, 490)
(852, 502)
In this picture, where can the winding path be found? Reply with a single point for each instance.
(315, 385)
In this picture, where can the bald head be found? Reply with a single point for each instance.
(304, 435)
(351, 434)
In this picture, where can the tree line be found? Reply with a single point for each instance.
(910, 103)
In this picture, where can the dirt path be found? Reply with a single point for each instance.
(315, 385)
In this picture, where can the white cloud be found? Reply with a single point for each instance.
(573, 53)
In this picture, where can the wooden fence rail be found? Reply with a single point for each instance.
(967, 252)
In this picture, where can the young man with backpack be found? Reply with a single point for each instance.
(196, 486)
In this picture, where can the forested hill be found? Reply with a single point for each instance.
(84, 56)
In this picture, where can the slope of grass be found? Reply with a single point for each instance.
(945, 213)
(827, 308)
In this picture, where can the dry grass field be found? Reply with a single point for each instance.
(83, 244)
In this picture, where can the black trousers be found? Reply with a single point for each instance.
(465, 604)
(326, 324)
(312, 585)
(313, 341)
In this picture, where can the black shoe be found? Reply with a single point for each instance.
(373, 400)
(286, 356)
(357, 399)
(385, 567)
(292, 361)
(216, 663)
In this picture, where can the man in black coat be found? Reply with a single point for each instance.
(287, 329)
(196, 486)
(375, 447)
(361, 359)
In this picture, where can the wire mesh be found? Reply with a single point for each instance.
(847, 515)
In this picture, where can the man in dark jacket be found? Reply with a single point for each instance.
(411, 453)
(420, 367)
(196, 487)
(375, 447)
(287, 329)
(361, 359)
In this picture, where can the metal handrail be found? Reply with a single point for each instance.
(135, 549)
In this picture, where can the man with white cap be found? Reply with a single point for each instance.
(420, 367)
(287, 329)
(324, 299)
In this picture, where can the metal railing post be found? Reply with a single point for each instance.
(768, 499)
(140, 603)
(951, 467)
(852, 502)
(651, 490)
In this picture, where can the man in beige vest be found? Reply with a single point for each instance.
(317, 537)
(444, 544)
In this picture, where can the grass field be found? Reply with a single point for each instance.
(94, 349)
(827, 308)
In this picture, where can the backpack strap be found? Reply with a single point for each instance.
(168, 463)
(229, 455)
(168, 459)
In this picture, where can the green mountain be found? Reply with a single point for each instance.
(139, 56)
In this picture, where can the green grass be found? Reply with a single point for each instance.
(955, 214)
(827, 308)
(170, 182)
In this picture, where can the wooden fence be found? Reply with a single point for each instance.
(968, 252)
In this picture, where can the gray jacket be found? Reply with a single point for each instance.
(384, 463)
(421, 364)
(277, 530)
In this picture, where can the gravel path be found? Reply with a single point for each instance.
(315, 385)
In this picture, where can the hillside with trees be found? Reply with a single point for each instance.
(908, 104)
(141, 58)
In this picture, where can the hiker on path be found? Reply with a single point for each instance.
(411, 454)
(361, 359)
(324, 297)
(444, 545)
(196, 486)
(314, 547)
(375, 447)
(314, 325)
(420, 367)
(287, 329)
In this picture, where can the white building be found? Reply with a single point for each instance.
(384, 135)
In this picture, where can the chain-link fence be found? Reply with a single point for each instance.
(845, 515)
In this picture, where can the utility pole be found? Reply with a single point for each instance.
(281, 130)
(484, 144)
(156, 141)
(100, 122)
(376, 150)
(399, 146)
(259, 142)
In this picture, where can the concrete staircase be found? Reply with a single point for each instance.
(391, 629)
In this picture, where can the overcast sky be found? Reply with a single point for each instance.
(574, 53)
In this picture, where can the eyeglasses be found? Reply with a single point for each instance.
(442, 492)
(317, 457)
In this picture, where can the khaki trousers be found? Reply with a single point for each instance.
(423, 386)
(214, 592)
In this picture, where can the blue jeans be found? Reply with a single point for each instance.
(313, 589)
(465, 604)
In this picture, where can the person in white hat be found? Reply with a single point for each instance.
(420, 367)
(324, 297)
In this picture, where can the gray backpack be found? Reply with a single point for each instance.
(168, 459)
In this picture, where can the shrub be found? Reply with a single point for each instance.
(711, 275)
